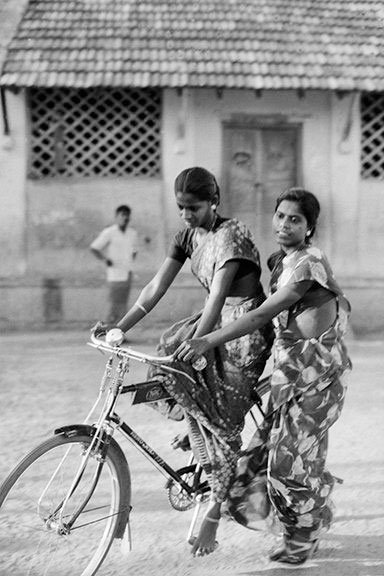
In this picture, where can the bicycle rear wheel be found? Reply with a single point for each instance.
(256, 415)
(33, 540)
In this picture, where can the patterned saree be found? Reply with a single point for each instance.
(215, 407)
(285, 462)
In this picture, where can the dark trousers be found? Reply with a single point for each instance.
(118, 299)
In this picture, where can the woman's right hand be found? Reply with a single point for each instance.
(100, 329)
(192, 350)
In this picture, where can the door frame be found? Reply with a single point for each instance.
(257, 122)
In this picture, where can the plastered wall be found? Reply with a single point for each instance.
(46, 226)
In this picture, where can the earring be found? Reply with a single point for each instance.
(308, 233)
(214, 206)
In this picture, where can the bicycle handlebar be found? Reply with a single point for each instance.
(129, 352)
(114, 339)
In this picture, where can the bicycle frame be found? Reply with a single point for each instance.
(151, 454)
(156, 392)
(109, 421)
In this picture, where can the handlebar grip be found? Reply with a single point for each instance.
(114, 337)
(200, 363)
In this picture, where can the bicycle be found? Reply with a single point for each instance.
(70, 497)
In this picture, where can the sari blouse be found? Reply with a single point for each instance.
(228, 240)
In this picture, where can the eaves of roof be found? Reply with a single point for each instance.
(253, 44)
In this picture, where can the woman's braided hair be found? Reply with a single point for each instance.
(199, 182)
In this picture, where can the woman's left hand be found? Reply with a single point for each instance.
(191, 350)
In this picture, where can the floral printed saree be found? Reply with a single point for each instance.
(284, 464)
(216, 406)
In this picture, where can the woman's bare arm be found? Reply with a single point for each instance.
(220, 288)
(284, 298)
(151, 293)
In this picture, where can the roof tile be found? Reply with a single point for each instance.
(329, 44)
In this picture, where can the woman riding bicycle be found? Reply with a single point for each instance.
(307, 389)
(226, 262)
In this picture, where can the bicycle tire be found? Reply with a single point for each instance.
(29, 531)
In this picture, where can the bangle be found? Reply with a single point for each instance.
(141, 307)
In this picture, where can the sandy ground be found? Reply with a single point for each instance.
(51, 379)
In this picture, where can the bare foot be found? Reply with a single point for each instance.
(205, 542)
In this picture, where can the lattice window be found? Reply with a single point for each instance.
(95, 132)
(372, 136)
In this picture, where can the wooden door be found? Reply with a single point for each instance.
(259, 163)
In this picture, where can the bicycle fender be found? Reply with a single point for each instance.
(73, 429)
(87, 430)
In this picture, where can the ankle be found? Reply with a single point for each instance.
(213, 511)
(213, 520)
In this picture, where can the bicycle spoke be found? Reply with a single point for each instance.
(93, 521)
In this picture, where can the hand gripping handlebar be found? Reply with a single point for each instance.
(114, 340)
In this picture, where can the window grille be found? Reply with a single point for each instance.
(372, 136)
(95, 132)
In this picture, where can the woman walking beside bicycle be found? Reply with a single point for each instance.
(307, 389)
(225, 261)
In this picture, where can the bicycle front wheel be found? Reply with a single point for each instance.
(50, 526)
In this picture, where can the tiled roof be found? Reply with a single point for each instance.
(257, 44)
(10, 14)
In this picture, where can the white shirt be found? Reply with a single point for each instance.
(120, 248)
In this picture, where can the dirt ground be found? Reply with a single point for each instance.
(50, 379)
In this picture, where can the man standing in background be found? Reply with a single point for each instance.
(116, 245)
